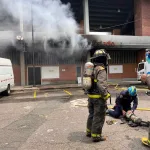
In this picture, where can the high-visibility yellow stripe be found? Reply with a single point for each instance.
(94, 96)
(132, 89)
(67, 92)
(142, 109)
(46, 94)
(95, 80)
(95, 135)
(88, 130)
(34, 95)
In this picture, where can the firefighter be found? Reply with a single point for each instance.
(123, 103)
(148, 83)
(145, 78)
(97, 96)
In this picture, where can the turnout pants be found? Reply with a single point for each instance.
(96, 118)
(117, 112)
(148, 82)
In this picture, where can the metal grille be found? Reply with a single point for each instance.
(122, 57)
(12, 54)
(43, 58)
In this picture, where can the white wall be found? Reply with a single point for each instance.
(50, 72)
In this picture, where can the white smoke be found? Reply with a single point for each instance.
(53, 19)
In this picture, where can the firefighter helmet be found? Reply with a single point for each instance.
(100, 56)
(132, 91)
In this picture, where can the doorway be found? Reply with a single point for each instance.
(78, 73)
(37, 75)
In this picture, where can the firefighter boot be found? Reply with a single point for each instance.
(88, 134)
(98, 139)
(148, 92)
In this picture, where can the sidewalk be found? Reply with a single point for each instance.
(44, 87)
(65, 86)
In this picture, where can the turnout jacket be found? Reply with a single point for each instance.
(124, 100)
(99, 82)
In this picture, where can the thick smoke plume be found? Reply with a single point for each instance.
(52, 20)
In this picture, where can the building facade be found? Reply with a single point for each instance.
(126, 43)
(128, 39)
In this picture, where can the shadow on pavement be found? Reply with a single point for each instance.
(11, 99)
(136, 143)
(79, 137)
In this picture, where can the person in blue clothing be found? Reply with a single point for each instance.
(123, 103)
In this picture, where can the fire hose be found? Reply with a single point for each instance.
(140, 122)
(132, 117)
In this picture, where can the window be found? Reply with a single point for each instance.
(141, 66)
(78, 71)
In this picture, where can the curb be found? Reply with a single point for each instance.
(61, 87)
(29, 90)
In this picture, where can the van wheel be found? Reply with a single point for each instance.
(7, 92)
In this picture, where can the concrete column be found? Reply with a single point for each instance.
(86, 16)
(86, 21)
(22, 60)
(81, 27)
(138, 17)
(145, 18)
(88, 57)
(116, 32)
(142, 19)
(22, 68)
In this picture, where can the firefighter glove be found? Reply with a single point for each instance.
(107, 96)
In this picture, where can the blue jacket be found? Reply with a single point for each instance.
(124, 101)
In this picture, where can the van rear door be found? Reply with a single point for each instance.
(141, 70)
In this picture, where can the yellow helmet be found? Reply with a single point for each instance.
(99, 53)
(100, 57)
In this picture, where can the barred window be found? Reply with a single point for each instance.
(122, 56)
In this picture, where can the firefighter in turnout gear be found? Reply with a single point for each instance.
(123, 103)
(145, 78)
(97, 96)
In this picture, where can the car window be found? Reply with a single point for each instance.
(141, 66)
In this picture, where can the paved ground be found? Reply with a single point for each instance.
(51, 121)
(19, 89)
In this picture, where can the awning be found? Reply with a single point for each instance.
(119, 41)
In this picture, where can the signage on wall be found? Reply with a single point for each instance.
(115, 69)
(79, 80)
(51, 72)
(106, 43)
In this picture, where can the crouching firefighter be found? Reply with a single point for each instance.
(95, 85)
(123, 103)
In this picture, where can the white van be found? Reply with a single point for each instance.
(144, 66)
(6, 76)
(141, 70)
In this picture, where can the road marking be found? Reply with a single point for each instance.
(67, 92)
(46, 94)
(110, 107)
(123, 88)
(34, 95)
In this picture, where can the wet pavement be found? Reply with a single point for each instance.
(56, 120)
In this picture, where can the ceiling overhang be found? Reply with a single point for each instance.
(121, 42)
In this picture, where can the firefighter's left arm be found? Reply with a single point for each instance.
(101, 82)
(135, 103)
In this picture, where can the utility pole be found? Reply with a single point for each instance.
(33, 48)
(86, 22)
(21, 39)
